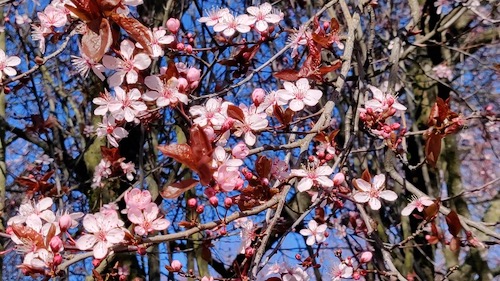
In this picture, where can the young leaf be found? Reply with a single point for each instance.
(97, 40)
(453, 222)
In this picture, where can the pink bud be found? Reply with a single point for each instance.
(249, 252)
(173, 25)
(189, 49)
(57, 259)
(192, 202)
(338, 179)
(240, 151)
(214, 201)
(298, 257)
(56, 244)
(65, 222)
(180, 46)
(193, 74)
(228, 202)
(356, 275)
(365, 257)
(96, 262)
(200, 209)
(183, 84)
(141, 250)
(176, 265)
(258, 96)
(223, 231)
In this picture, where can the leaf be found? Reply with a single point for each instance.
(182, 153)
(430, 212)
(327, 69)
(287, 75)
(200, 144)
(433, 148)
(136, 30)
(28, 235)
(263, 166)
(366, 176)
(97, 40)
(171, 71)
(110, 154)
(107, 6)
(236, 113)
(455, 244)
(453, 222)
(334, 26)
(172, 191)
(84, 10)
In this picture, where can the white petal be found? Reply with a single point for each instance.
(361, 197)
(375, 204)
(388, 195)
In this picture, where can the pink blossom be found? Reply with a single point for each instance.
(205, 278)
(214, 16)
(127, 65)
(298, 38)
(417, 203)
(258, 96)
(443, 71)
(38, 34)
(173, 25)
(365, 257)
(209, 114)
(102, 171)
(164, 94)
(103, 232)
(103, 102)
(299, 94)
(263, 16)
(112, 132)
(254, 121)
(127, 105)
(41, 209)
(52, 17)
(280, 169)
(372, 192)
(137, 199)
(160, 38)
(269, 102)
(319, 176)
(84, 64)
(229, 24)
(176, 265)
(7, 63)
(294, 274)
(240, 151)
(341, 271)
(222, 158)
(315, 233)
(382, 102)
(147, 220)
(128, 169)
(228, 179)
(44, 160)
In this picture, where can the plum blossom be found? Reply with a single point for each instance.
(127, 66)
(247, 233)
(102, 171)
(372, 192)
(38, 34)
(240, 151)
(52, 17)
(280, 169)
(112, 132)
(299, 94)
(222, 158)
(417, 203)
(319, 176)
(126, 105)
(298, 38)
(128, 169)
(294, 274)
(7, 63)
(164, 94)
(103, 102)
(341, 271)
(443, 71)
(382, 102)
(228, 24)
(214, 16)
(315, 233)
(84, 64)
(160, 38)
(103, 232)
(41, 209)
(228, 179)
(254, 121)
(147, 220)
(263, 16)
(137, 199)
(209, 114)
(44, 160)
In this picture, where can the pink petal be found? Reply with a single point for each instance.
(388, 195)
(361, 197)
(127, 49)
(296, 105)
(408, 210)
(90, 224)
(378, 181)
(363, 185)
(142, 61)
(304, 184)
(86, 242)
(115, 235)
(160, 224)
(375, 203)
(100, 250)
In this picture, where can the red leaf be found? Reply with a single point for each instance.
(327, 69)
(236, 113)
(334, 26)
(200, 144)
(182, 153)
(263, 166)
(430, 212)
(455, 244)
(453, 222)
(110, 154)
(97, 40)
(136, 30)
(433, 148)
(283, 117)
(107, 6)
(287, 75)
(366, 176)
(171, 191)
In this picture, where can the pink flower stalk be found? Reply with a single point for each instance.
(263, 16)
(209, 114)
(319, 176)
(417, 203)
(7, 63)
(229, 24)
(372, 193)
(127, 105)
(299, 94)
(315, 233)
(214, 16)
(127, 66)
(382, 102)
(52, 17)
(103, 232)
(164, 94)
(137, 199)
(112, 132)
(147, 220)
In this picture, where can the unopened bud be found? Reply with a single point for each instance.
(200, 209)
(65, 222)
(338, 179)
(176, 265)
(249, 252)
(173, 25)
(56, 244)
(192, 202)
(258, 96)
(57, 259)
(228, 202)
(365, 257)
(214, 201)
(298, 257)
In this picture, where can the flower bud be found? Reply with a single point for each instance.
(189, 49)
(365, 257)
(200, 209)
(192, 202)
(258, 96)
(223, 231)
(141, 250)
(338, 179)
(298, 257)
(57, 259)
(65, 222)
(228, 202)
(214, 201)
(249, 252)
(240, 151)
(96, 262)
(180, 46)
(193, 74)
(173, 25)
(176, 265)
(56, 244)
